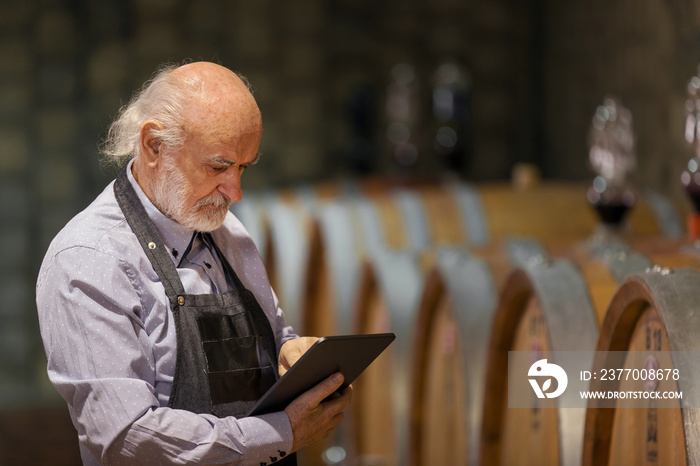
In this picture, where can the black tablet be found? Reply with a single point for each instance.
(348, 354)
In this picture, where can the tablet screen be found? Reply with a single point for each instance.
(348, 354)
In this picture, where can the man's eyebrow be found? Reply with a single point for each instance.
(228, 163)
(256, 159)
(222, 161)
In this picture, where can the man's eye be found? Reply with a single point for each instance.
(217, 168)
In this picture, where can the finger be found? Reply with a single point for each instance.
(294, 349)
(288, 357)
(303, 345)
(293, 356)
(283, 366)
(320, 392)
(340, 403)
(344, 396)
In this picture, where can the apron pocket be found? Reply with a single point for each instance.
(231, 354)
(240, 385)
(220, 327)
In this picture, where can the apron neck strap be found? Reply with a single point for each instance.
(148, 236)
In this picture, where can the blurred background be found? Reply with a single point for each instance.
(411, 89)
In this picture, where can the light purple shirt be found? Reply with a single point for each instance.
(109, 335)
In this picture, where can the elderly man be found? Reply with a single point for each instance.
(158, 320)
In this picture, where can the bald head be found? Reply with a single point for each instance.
(218, 97)
(192, 98)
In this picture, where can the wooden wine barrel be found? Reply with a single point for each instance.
(434, 422)
(651, 312)
(389, 298)
(350, 239)
(421, 217)
(457, 213)
(335, 272)
(532, 213)
(304, 269)
(451, 342)
(316, 250)
(251, 212)
(604, 263)
(290, 227)
(451, 346)
(395, 234)
(604, 258)
(381, 195)
(345, 234)
(470, 289)
(280, 228)
(285, 229)
(454, 322)
(543, 307)
(332, 274)
(684, 255)
(436, 382)
(452, 339)
(526, 325)
(342, 235)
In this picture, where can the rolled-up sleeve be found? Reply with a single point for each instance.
(103, 360)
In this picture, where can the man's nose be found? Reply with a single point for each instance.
(231, 185)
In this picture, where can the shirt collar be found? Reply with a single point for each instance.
(175, 237)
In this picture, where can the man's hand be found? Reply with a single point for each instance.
(292, 350)
(312, 418)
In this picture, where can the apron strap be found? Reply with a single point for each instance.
(148, 236)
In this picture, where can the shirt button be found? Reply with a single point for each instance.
(151, 245)
(181, 300)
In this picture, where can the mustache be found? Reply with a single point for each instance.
(216, 200)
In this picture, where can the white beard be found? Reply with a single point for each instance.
(170, 191)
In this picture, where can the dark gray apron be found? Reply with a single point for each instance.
(226, 353)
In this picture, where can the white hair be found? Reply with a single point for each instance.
(170, 190)
(160, 99)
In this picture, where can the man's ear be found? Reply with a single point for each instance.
(151, 144)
